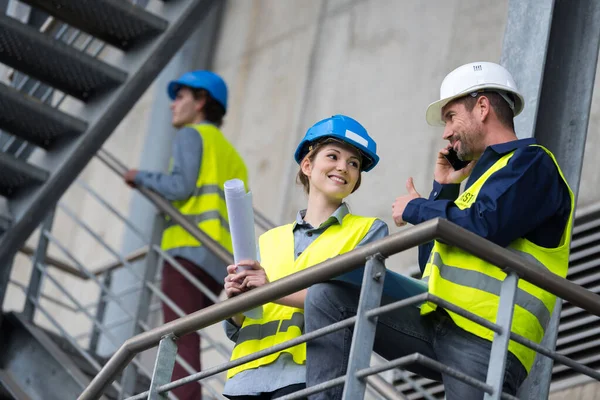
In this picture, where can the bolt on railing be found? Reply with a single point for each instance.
(354, 381)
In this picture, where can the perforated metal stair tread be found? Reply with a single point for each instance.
(54, 62)
(116, 22)
(36, 122)
(18, 174)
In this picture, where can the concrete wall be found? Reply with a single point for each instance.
(292, 63)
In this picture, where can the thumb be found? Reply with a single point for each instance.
(410, 187)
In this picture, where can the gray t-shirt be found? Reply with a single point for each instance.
(284, 371)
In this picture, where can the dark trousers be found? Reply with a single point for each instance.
(189, 299)
(271, 395)
(399, 333)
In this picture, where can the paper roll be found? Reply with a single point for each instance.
(241, 227)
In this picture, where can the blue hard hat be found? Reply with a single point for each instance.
(206, 80)
(345, 129)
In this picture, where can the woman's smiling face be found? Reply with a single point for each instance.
(334, 171)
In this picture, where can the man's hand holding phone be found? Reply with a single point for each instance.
(449, 168)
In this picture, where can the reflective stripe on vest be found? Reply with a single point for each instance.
(206, 206)
(261, 331)
(491, 285)
(474, 284)
(280, 323)
(205, 216)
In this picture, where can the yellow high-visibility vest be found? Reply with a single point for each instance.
(206, 206)
(474, 284)
(281, 323)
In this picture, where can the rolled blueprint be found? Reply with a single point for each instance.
(241, 227)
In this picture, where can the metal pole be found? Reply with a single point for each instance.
(364, 330)
(100, 311)
(551, 48)
(163, 367)
(152, 259)
(35, 281)
(495, 375)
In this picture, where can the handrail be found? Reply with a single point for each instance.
(435, 229)
(131, 257)
(165, 206)
(69, 269)
(55, 262)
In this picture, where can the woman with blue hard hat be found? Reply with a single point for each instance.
(332, 155)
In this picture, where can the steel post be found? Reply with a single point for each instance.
(364, 330)
(506, 307)
(163, 367)
(551, 48)
(143, 308)
(39, 257)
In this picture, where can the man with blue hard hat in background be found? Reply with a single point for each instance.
(202, 160)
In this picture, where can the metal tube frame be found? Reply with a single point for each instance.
(497, 363)
(37, 275)
(435, 229)
(363, 336)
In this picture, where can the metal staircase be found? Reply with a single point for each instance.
(100, 93)
(74, 79)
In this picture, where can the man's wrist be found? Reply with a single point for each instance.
(411, 212)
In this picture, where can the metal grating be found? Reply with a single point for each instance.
(116, 22)
(55, 63)
(36, 122)
(579, 332)
(17, 174)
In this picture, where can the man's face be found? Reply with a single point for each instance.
(463, 130)
(185, 108)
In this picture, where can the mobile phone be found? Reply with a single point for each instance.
(453, 159)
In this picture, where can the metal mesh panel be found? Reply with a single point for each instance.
(55, 63)
(579, 332)
(33, 121)
(116, 22)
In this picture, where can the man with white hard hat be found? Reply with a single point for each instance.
(516, 196)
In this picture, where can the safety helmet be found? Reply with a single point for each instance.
(472, 78)
(346, 130)
(206, 80)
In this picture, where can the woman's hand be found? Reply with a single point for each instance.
(232, 287)
(243, 276)
(250, 274)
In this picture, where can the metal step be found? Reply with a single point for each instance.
(54, 62)
(9, 390)
(142, 382)
(18, 174)
(116, 22)
(34, 121)
(35, 364)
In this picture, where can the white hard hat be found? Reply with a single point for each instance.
(471, 78)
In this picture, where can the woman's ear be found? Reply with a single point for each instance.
(306, 166)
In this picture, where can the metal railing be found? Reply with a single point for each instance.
(154, 257)
(515, 266)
